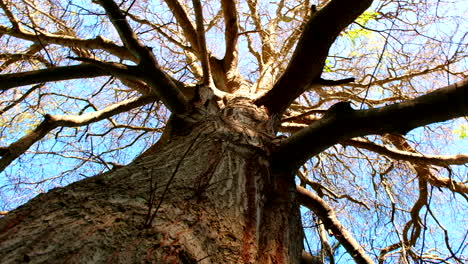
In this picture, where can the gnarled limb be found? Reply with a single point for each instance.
(341, 123)
(317, 205)
(308, 59)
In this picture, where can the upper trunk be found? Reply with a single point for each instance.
(211, 193)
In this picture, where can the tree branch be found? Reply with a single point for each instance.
(50, 122)
(341, 122)
(203, 51)
(151, 73)
(126, 33)
(439, 160)
(412, 228)
(317, 205)
(308, 59)
(11, 80)
(118, 70)
(189, 30)
(68, 41)
(231, 32)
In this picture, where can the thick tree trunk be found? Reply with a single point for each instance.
(208, 196)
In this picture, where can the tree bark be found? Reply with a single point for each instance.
(207, 196)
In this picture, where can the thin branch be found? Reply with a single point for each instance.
(21, 99)
(126, 33)
(160, 31)
(267, 46)
(316, 204)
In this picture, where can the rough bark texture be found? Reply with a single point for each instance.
(211, 193)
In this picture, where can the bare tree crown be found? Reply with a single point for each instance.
(92, 85)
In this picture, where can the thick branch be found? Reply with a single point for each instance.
(308, 59)
(341, 122)
(231, 32)
(50, 75)
(182, 18)
(10, 153)
(316, 204)
(151, 73)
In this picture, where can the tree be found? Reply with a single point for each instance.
(293, 107)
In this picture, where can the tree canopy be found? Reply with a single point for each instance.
(88, 86)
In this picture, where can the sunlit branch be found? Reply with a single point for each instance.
(21, 99)
(11, 80)
(183, 19)
(308, 60)
(50, 122)
(341, 122)
(402, 77)
(201, 40)
(317, 205)
(423, 169)
(290, 42)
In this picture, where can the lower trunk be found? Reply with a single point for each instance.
(205, 197)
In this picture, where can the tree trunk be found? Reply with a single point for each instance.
(206, 196)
